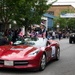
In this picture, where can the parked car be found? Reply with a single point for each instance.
(72, 36)
(29, 53)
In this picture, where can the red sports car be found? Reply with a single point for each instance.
(29, 53)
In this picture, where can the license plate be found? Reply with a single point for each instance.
(8, 63)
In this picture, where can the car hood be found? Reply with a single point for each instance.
(15, 52)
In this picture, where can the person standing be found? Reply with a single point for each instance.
(60, 35)
(4, 40)
(53, 35)
(15, 35)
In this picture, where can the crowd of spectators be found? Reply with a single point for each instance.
(34, 31)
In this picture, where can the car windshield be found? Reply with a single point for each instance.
(36, 42)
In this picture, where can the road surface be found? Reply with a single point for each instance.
(65, 66)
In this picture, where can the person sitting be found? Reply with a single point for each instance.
(42, 32)
(32, 33)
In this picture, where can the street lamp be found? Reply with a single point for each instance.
(57, 26)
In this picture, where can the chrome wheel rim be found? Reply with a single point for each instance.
(43, 61)
(58, 54)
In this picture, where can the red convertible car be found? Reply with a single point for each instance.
(29, 53)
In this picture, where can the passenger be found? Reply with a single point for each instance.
(33, 33)
(42, 32)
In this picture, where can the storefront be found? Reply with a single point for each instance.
(47, 19)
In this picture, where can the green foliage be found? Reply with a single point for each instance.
(61, 21)
(24, 12)
(71, 23)
(65, 22)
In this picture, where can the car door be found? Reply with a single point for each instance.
(53, 50)
(48, 51)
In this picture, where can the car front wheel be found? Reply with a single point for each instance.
(43, 62)
(70, 41)
(58, 54)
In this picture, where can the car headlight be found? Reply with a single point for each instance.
(34, 53)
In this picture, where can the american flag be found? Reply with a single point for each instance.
(21, 34)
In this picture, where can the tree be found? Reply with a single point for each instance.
(31, 11)
(7, 11)
(70, 22)
(65, 23)
(61, 21)
(24, 12)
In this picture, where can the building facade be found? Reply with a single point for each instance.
(57, 9)
(48, 20)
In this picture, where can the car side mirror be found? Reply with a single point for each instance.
(11, 43)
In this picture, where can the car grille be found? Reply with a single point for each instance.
(16, 63)
(1, 62)
(20, 63)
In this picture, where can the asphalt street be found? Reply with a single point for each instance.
(64, 66)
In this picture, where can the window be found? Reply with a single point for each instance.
(51, 12)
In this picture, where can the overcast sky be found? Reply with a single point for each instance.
(63, 2)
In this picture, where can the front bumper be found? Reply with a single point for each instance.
(72, 38)
(28, 64)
